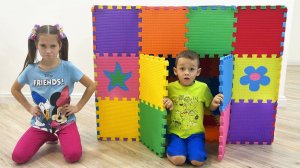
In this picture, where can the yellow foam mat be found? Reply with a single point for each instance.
(117, 120)
(153, 80)
(265, 92)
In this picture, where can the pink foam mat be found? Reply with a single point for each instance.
(128, 64)
(224, 126)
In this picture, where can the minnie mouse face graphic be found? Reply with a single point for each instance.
(58, 100)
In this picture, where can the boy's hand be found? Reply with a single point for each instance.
(168, 103)
(216, 101)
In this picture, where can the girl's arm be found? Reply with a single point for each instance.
(90, 88)
(16, 92)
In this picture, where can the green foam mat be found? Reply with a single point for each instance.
(153, 128)
(210, 30)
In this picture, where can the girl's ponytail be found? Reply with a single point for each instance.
(63, 53)
(31, 55)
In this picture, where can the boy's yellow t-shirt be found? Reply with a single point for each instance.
(186, 117)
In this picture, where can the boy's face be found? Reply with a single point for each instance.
(186, 71)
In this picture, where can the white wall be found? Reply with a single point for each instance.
(294, 49)
(18, 17)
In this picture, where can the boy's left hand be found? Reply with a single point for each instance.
(217, 100)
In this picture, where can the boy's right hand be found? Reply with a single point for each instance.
(35, 110)
(168, 103)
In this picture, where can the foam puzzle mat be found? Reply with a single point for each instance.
(210, 30)
(153, 128)
(240, 49)
(117, 76)
(115, 30)
(153, 82)
(152, 115)
(260, 30)
(117, 120)
(254, 123)
(162, 30)
(256, 79)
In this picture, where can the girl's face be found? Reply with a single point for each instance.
(187, 70)
(48, 46)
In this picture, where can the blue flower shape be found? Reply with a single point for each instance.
(255, 77)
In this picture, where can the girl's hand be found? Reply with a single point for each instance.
(68, 109)
(168, 103)
(217, 100)
(35, 111)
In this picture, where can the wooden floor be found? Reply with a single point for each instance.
(284, 152)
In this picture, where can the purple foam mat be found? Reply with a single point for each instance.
(116, 31)
(252, 123)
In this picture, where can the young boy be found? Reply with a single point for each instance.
(186, 102)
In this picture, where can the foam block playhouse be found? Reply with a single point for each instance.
(240, 48)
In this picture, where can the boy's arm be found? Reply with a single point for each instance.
(215, 103)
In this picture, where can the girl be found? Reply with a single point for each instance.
(51, 81)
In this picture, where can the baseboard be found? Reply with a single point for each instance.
(6, 95)
(282, 101)
(293, 61)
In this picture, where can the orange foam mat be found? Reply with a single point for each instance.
(163, 30)
(212, 133)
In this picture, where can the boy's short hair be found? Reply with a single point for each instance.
(188, 54)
